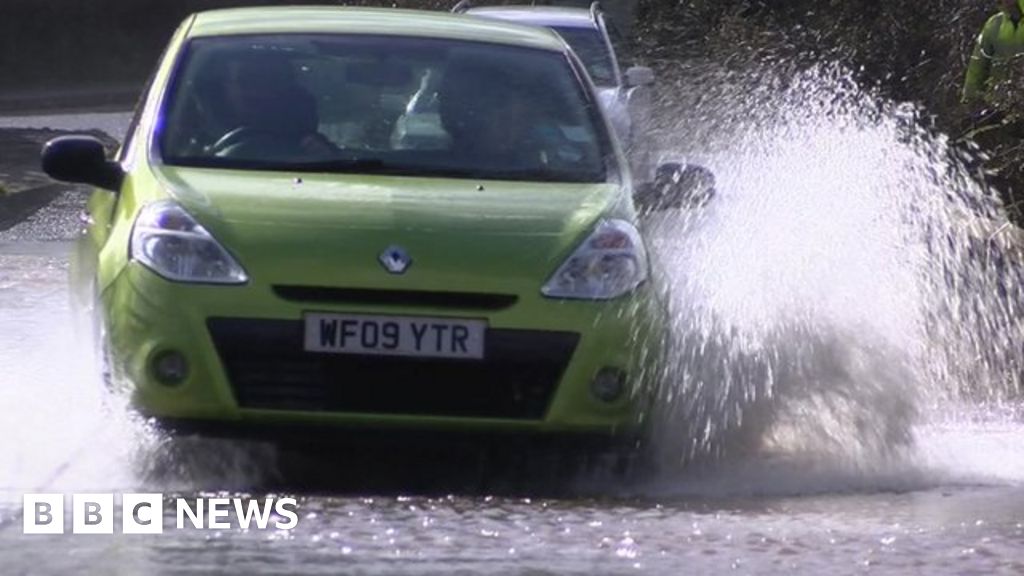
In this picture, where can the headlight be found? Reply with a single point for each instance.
(168, 241)
(610, 263)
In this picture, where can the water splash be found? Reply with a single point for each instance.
(66, 432)
(852, 282)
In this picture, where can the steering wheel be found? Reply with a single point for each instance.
(247, 141)
(233, 138)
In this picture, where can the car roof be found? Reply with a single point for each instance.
(375, 21)
(538, 15)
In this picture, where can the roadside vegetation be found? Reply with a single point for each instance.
(904, 49)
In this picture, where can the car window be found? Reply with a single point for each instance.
(385, 105)
(590, 46)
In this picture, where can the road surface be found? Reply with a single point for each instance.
(953, 503)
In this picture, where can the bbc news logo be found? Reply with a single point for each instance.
(144, 513)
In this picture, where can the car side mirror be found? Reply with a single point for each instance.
(639, 76)
(81, 159)
(676, 186)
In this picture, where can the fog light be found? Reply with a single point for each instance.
(609, 384)
(170, 367)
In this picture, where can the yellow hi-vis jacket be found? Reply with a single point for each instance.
(1000, 42)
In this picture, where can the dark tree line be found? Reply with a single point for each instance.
(911, 46)
(907, 49)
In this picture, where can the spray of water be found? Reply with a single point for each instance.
(65, 430)
(852, 296)
(851, 283)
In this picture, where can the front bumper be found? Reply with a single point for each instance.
(247, 366)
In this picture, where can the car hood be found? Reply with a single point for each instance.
(328, 230)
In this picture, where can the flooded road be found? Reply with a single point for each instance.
(957, 507)
(113, 123)
(946, 497)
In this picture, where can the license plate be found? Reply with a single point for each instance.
(395, 336)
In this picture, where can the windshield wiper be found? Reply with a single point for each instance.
(345, 165)
(367, 165)
(544, 175)
(379, 166)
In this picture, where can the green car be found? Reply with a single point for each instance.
(281, 243)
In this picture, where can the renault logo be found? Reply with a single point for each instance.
(395, 259)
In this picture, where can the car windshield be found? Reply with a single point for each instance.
(384, 105)
(591, 48)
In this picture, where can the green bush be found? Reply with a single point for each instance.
(906, 50)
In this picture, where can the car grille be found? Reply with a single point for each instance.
(268, 369)
(462, 300)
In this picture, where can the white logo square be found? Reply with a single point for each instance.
(92, 514)
(142, 513)
(43, 514)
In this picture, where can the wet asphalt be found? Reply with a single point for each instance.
(956, 506)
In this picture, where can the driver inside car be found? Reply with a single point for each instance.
(501, 123)
(271, 115)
